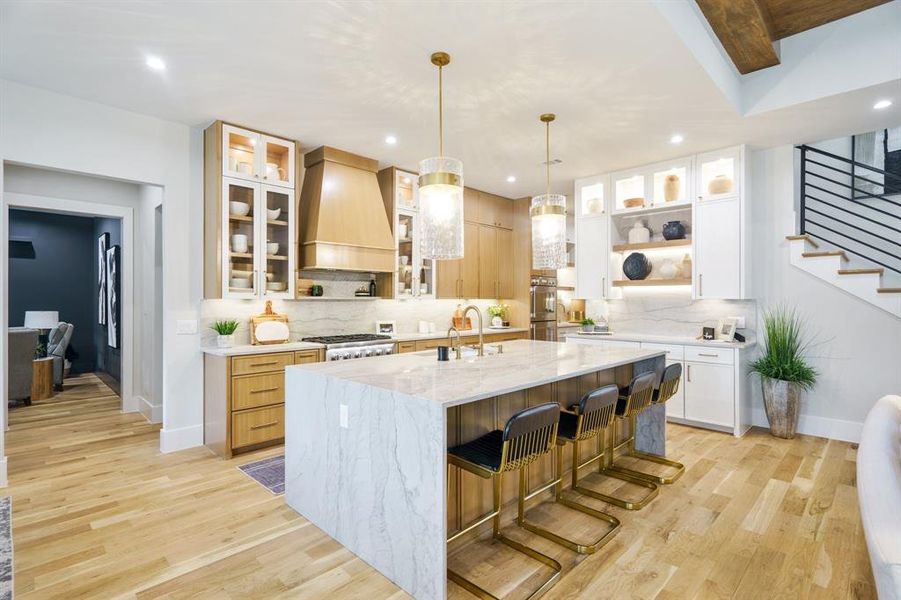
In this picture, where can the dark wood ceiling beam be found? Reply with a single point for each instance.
(746, 30)
(794, 16)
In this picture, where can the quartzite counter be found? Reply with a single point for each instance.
(366, 442)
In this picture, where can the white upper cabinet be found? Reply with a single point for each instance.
(591, 196)
(257, 157)
(671, 182)
(717, 265)
(719, 174)
(592, 238)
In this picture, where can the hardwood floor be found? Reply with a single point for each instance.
(98, 512)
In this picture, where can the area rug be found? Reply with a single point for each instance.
(269, 473)
(6, 548)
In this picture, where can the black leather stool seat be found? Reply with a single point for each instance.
(621, 402)
(568, 424)
(484, 451)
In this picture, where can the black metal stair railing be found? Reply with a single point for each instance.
(838, 211)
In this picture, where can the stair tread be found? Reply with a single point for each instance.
(840, 253)
(896, 290)
(805, 237)
(876, 271)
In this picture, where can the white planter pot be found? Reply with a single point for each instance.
(497, 322)
(225, 341)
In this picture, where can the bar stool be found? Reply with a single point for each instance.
(588, 420)
(527, 435)
(637, 397)
(669, 385)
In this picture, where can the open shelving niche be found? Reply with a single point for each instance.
(658, 250)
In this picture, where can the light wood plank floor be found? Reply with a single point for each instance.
(98, 512)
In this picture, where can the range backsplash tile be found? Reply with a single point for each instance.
(329, 317)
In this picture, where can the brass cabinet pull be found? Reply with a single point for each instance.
(265, 364)
(274, 389)
(264, 425)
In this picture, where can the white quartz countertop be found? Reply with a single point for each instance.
(523, 364)
(261, 349)
(662, 339)
(411, 337)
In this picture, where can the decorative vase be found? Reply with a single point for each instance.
(639, 234)
(497, 321)
(225, 341)
(316, 290)
(671, 188)
(720, 184)
(674, 230)
(668, 270)
(782, 402)
(686, 266)
(636, 266)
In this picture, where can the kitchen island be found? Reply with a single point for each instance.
(366, 442)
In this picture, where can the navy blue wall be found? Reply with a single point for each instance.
(108, 360)
(58, 276)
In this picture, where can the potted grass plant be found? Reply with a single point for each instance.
(783, 370)
(226, 331)
(587, 325)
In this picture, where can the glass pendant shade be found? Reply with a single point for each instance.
(441, 207)
(548, 212)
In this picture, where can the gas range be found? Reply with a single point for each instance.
(357, 345)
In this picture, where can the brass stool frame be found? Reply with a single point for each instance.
(516, 454)
(666, 390)
(635, 403)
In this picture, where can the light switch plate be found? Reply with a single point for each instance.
(186, 326)
(740, 322)
(342, 415)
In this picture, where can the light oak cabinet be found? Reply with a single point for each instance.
(244, 399)
(495, 211)
(250, 214)
(460, 278)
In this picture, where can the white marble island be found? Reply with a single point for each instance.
(366, 441)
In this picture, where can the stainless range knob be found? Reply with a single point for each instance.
(346, 355)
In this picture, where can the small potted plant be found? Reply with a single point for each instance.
(587, 325)
(498, 314)
(784, 372)
(226, 331)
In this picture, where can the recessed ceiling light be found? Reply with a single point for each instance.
(155, 63)
(390, 140)
(882, 104)
(511, 178)
(676, 139)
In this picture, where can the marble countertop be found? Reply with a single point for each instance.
(664, 339)
(411, 337)
(261, 349)
(523, 364)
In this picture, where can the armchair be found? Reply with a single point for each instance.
(57, 344)
(22, 345)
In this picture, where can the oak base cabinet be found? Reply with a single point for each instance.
(244, 399)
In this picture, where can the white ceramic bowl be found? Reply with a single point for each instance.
(240, 209)
(238, 274)
(273, 213)
(276, 286)
(272, 248)
(269, 276)
(240, 282)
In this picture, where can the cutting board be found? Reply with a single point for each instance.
(269, 327)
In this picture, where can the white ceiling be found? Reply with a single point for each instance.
(347, 74)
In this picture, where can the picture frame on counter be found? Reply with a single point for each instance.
(386, 327)
(725, 329)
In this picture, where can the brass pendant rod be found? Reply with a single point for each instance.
(440, 112)
(547, 156)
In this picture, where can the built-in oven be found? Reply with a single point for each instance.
(543, 308)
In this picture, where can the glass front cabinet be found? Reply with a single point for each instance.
(250, 238)
(414, 275)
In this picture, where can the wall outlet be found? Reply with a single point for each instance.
(186, 326)
(741, 322)
(342, 415)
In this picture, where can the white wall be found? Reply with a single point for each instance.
(50, 130)
(857, 345)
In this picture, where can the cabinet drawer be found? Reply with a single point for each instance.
(430, 344)
(259, 425)
(723, 356)
(306, 356)
(673, 351)
(406, 347)
(261, 363)
(251, 391)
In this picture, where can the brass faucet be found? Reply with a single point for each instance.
(466, 310)
(455, 347)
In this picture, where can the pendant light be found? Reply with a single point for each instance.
(548, 212)
(441, 192)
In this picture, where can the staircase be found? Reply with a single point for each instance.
(850, 227)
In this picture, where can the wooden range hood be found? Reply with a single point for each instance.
(343, 222)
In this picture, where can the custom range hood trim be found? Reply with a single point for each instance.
(344, 225)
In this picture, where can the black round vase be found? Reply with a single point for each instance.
(674, 230)
(636, 266)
